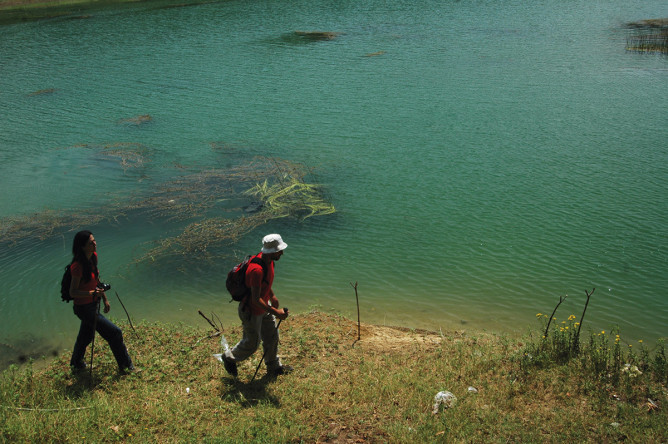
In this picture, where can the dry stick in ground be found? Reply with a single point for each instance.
(359, 336)
(561, 299)
(213, 335)
(127, 314)
(577, 335)
(216, 318)
(208, 320)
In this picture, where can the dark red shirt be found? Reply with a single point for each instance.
(254, 278)
(77, 271)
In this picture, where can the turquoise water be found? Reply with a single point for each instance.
(488, 159)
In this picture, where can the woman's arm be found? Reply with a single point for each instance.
(74, 289)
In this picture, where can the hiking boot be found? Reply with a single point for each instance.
(128, 370)
(78, 368)
(282, 370)
(230, 366)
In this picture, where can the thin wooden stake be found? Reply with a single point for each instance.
(561, 299)
(359, 334)
(577, 335)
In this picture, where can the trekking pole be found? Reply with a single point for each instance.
(92, 346)
(265, 353)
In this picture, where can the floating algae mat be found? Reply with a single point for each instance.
(218, 206)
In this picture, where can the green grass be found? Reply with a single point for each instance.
(378, 389)
(13, 11)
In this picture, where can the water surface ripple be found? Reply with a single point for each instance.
(485, 158)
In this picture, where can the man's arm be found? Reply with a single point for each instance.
(273, 309)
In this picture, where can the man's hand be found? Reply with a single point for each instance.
(107, 307)
(281, 313)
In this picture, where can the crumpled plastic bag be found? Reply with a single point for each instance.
(446, 399)
(226, 347)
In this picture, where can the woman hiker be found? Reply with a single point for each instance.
(86, 295)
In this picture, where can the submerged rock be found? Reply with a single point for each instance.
(136, 120)
(254, 207)
(318, 35)
(42, 92)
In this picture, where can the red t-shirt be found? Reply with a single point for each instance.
(77, 271)
(254, 278)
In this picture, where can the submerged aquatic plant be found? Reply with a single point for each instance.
(209, 200)
(291, 198)
(283, 193)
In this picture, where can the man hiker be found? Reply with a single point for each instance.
(258, 311)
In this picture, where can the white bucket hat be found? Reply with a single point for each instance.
(273, 243)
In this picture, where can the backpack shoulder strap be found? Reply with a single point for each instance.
(260, 262)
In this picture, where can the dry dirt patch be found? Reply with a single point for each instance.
(382, 338)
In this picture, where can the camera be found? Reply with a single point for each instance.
(103, 286)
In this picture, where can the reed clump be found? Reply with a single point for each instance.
(648, 36)
(609, 365)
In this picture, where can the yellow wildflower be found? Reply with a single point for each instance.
(571, 317)
(539, 315)
(602, 332)
(640, 340)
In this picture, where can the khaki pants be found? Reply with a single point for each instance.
(257, 327)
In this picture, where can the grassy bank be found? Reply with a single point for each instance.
(378, 389)
(14, 11)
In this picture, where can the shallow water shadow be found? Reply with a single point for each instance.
(24, 350)
(298, 38)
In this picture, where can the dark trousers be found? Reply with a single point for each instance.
(107, 329)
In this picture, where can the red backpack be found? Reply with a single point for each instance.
(236, 278)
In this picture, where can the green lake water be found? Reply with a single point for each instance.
(485, 158)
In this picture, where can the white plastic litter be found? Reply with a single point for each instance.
(473, 390)
(226, 347)
(446, 399)
(632, 370)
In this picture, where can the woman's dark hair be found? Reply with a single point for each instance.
(88, 265)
